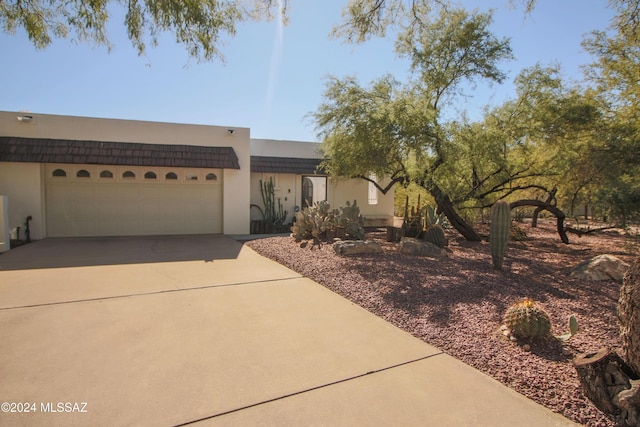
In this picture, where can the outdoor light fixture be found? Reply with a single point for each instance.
(230, 131)
(25, 119)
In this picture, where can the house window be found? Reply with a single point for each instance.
(150, 175)
(59, 172)
(83, 173)
(192, 176)
(373, 191)
(128, 174)
(106, 174)
(171, 175)
(211, 177)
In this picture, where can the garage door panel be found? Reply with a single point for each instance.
(149, 192)
(151, 210)
(127, 192)
(83, 209)
(94, 207)
(84, 228)
(107, 212)
(107, 228)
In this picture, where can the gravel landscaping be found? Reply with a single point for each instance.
(457, 302)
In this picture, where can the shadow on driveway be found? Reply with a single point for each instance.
(93, 251)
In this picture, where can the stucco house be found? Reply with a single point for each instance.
(80, 176)
(294, 167)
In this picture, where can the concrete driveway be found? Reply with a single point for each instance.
(200, 330)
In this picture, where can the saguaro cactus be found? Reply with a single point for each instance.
(499, 232)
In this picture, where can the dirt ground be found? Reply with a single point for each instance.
(457, 303)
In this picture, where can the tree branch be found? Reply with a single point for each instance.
(560, 216)
(384, 190)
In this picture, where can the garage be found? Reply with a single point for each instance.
(108, 200)
(90, 188)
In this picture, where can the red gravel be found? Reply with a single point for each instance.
(457, 303)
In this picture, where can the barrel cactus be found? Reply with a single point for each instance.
(499, 232)
(525, 319)
(435, 235)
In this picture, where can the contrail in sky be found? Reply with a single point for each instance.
(276, 58)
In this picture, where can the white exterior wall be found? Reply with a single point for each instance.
(5, 237)
(295, 149)
(341, 191)
(287, 189)
(235, 182)
(23, 185)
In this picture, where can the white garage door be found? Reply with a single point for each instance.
(89, 200)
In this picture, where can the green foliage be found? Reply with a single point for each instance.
(619, 200)
(499, 232)
(363, 19)
(413, 192)
(199, 25)
(584, 142)
(435, 234)
(394, 130)
(525, 319)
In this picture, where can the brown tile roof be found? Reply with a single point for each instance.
(41, 150)
(286, 165)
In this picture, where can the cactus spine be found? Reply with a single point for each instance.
(527, 320)
(499, 232)
(435, 235)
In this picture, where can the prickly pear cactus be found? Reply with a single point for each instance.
(435, 235)
(352, 221)
(525, 319)
(499, 232)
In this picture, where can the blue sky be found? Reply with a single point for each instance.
(273, 76)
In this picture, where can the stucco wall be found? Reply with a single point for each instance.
(341, 191)
(22, 183)
(277, 148)
(235, 183)
(286, 189)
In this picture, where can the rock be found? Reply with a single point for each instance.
(357, 247)
(526, 347)
(602, 267)
(411, 246)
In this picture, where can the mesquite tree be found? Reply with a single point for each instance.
(396, 130)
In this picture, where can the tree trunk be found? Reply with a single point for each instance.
(609, 380)
(550, 198)
(549, 207)
(534, 219)
(609, 383)
(629, 316)
(446, 207)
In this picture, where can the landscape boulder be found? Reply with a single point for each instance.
(417, 247)
(602, 267)
(357, 247)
